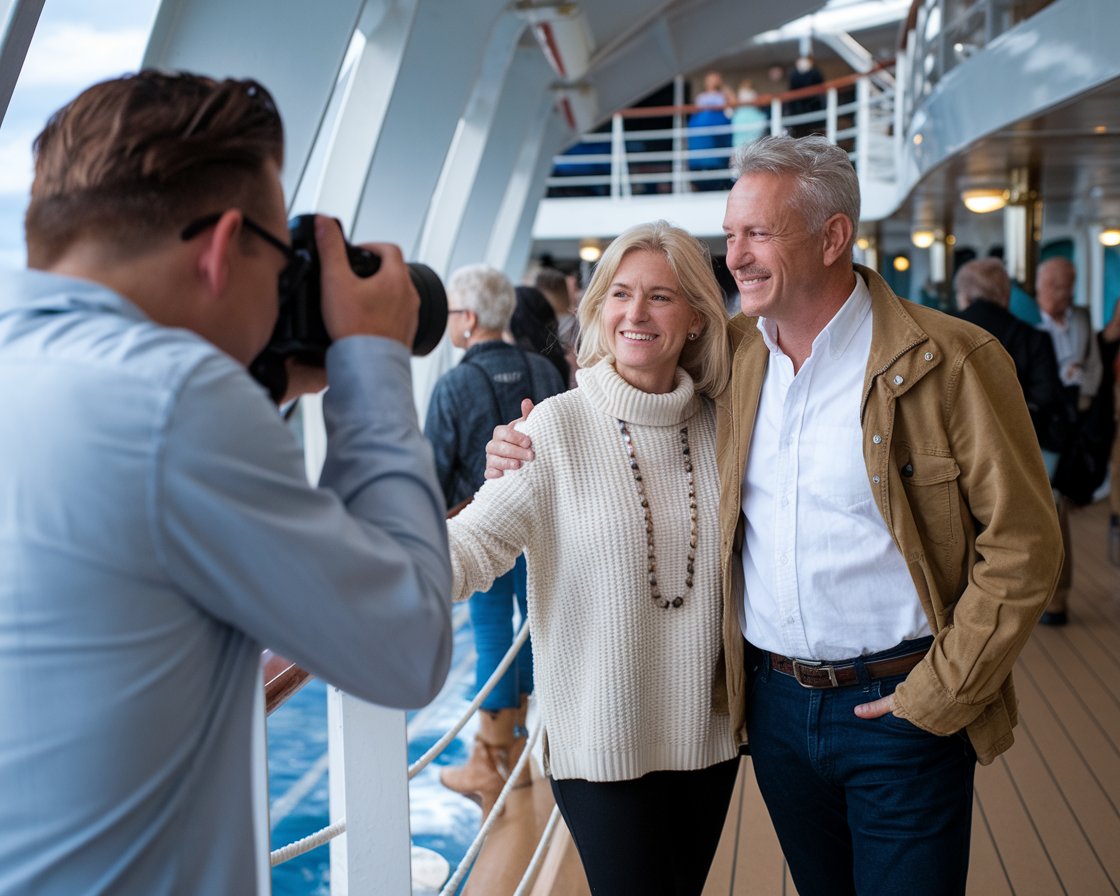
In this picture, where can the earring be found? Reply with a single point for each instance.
(692, 336)
(467, 333)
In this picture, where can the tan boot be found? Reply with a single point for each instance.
(487, 769)
(520, 737)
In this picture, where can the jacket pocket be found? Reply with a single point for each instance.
(930, 482)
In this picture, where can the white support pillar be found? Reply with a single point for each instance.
(259, 789)
(20, 20)
(863, 125)
(439, 65)
(525, 92)
(356, 115)
(620, 177)
(554, 132)
(297, 55)
(680, 185)
(1094, 277)
(469, 148)
(830, 111)
(543, 134)
(368, 748)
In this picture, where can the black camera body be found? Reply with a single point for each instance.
(300, 332)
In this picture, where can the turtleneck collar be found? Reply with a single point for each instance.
(611, 394)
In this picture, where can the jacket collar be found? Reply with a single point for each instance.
(895, 339)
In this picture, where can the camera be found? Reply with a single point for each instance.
(300, 332)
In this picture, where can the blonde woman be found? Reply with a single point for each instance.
(617, 517)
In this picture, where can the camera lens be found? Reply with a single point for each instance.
(300, 332)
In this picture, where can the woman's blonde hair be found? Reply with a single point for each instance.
(706, 359)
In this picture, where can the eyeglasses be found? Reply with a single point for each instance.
(297, 262)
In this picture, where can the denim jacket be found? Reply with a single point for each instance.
(483, 390)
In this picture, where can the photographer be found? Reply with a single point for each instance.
(156, 526)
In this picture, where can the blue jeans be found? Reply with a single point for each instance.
(492, 622)
(876, 807)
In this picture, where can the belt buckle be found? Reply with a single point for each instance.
(820, 666)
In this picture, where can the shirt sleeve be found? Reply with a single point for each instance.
(351, 579)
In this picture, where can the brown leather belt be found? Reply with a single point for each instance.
(813, 674)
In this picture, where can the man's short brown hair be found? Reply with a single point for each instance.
(135, 159)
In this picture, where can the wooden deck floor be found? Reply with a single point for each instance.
(1047, 814)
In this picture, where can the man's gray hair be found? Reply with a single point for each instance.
(487, 292)
(827, 181)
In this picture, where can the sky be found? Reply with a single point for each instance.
(77, 43)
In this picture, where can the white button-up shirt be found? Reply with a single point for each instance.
(823, 577)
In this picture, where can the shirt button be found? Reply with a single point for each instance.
(898, 381)
(875, 479)
(877, 439)
(928, 356)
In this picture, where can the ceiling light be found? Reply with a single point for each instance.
(1110, 236)
(923, 239)
(982, 200)
(917, 139)
(590, 251)
(901, 263)
(863, 243)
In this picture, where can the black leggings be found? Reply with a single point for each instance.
(655, 835)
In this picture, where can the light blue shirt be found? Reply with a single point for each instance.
(156, 529)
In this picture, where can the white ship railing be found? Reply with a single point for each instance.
(632, 158)
(358, 866)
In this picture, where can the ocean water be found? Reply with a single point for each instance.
(298, 786)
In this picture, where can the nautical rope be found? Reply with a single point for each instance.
(538, 854)
(308, 843)
(440, 745)
(499, 804)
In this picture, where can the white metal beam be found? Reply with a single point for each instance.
(20, 20)
(481, 123)
(526, 186)
(297, 55)
(524, 93)
(439, 66)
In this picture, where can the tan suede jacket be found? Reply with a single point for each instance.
(956, 471)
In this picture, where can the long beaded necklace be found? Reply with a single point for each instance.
(651, 558)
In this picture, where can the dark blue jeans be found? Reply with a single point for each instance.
(492, 622)
(875, 807)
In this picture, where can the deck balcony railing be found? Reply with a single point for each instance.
(654, 150)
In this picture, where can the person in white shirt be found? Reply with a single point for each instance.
(1079, 366)
(887, 532)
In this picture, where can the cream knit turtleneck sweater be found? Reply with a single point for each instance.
(624, 686)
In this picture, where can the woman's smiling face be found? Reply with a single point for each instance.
(647, 319)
